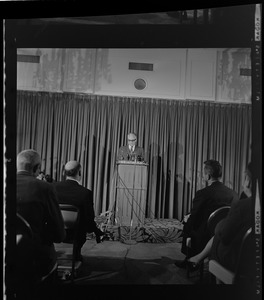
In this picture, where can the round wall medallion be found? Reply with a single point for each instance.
(140, 84)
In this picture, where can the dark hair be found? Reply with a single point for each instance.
(73, 172)
(48, 178)
(213, 168)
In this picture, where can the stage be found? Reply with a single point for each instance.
(152, 231)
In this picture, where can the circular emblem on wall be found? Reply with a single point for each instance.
(140, 84)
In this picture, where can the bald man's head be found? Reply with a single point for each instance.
(131, 139)
(72, 168)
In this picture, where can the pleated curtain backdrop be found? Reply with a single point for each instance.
(178, 136)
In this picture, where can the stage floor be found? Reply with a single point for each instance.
(153, 231)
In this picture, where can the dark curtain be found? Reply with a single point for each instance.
(178, 136)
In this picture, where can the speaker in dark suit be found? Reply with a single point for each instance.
(131, 151)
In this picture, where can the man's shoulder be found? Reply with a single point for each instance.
(211, 188)
(243, 203)
(229, 190)
(223, 190)
(70, 182)
(123, 147)
(218, 185)
(36, 184)
(139, 148)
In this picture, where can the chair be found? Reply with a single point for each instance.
(25, 265)
(26, 273)
(67, 263)
(214, 218)
(225, 276)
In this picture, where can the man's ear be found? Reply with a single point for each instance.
(35, 168)
(207, 177)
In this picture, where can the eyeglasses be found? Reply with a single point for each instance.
(132, 140)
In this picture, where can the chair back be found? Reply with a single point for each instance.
(215, 217)
(70, 214)
(23, 229)
(24, 258)
(246, 263)
(244, 272)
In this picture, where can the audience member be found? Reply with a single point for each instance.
(37, 203)
(206, 200)
(224, 246)
(131, 151)
(72, 192)
(230, 231)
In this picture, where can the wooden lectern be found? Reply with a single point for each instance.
(131, 193)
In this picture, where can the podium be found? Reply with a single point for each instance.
(131, 193)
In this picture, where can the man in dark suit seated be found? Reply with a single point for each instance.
(224, 246)
(230, 231)
(71, 192)
(37, 203)
(131, 151)
(206, 200)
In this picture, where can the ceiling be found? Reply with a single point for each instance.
(147, 18)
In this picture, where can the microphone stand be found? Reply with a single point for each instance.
(132, 242)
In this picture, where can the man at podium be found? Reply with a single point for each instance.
(131, 151)
(131, 184)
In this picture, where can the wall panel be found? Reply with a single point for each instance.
(167, 80)
(201, 74)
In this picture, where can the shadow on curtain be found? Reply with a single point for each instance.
(178, 136)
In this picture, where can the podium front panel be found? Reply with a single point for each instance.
(131, 194)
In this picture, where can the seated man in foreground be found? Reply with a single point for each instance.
(206, 200)
(37, 203)
(71, 192)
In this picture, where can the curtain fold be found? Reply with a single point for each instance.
(177, 136)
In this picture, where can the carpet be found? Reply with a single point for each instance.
(153, 231)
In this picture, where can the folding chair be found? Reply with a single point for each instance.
(24, 262)
(26, 277)
(67, 264)
(214, 218)
(225, 276)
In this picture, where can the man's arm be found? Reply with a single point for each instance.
(122, 154)
(89, 211)
(142, 154)
(197, 206)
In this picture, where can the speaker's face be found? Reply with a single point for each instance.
(132, 140)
